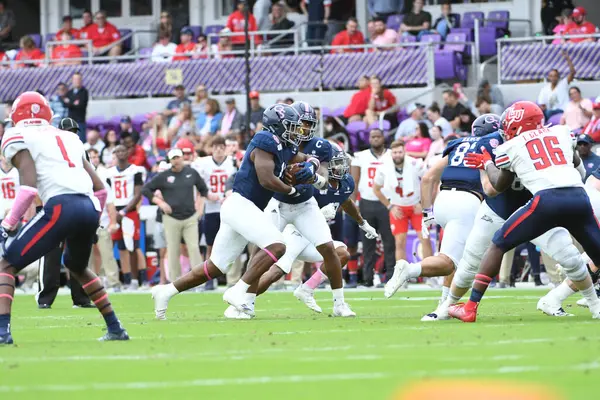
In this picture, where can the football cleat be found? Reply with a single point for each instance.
(342, 309)
(6, 339)
(582, 303)
(551, 307)
(399, 278)
(440, 314)
(110, 337)
(232, 313)
(238, 300)
(161, 301)
(459, 311)
(307, 297)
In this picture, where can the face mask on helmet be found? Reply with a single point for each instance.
(338, 166)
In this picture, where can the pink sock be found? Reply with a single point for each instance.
(185, 264)
(315, 280)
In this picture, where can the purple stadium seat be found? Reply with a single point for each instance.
(37, 39)
(48, 37)
(355, 132)
(95, 122)
(408, 39)
(457, 16)
(327, 112)
(432, 38)
(197, 30)
(394, 21)
(455, 37)
(126, 44)
(138, 120)
(113, 123)
(487, 41)
(385, 126)
(338, 112)
(449, 65)
(213, 29)
(466, 31)
(468, 20)
(555, 119)
(500, 14)
(145, 52)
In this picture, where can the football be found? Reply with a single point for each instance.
(289, 176)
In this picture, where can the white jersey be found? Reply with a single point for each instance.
(368, 164)
(400, 196)
(541, 159)
(124, 182)
(9, 183)
(216, 176)
(58, 157)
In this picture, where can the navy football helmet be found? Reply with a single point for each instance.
(284, 121)
(339, 165)
(308, 117)
(485, 124)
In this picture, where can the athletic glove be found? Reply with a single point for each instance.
(307, 172)
(370, 232)
(302, 188)
(427, 221)
(478, 160)
(329, 211)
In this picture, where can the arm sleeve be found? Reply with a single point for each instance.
(138, 179)
(502, 160)
(200, 184)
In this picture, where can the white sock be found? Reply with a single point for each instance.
(241, 286)
(452, 298)
(561, 292)
(445, 292)
(338, 295)
(414, 270)
(171, 290)
(251, 298)
(590, 295)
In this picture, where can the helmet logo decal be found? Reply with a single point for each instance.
(280, 111)
(514, 115)
(35, 108)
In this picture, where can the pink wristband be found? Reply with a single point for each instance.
(315, 162)
(23, 200)
(101, 195)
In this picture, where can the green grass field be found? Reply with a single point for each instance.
(289, 352)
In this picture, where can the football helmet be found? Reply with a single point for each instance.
(339, 165)
(521, 117)
(485, 124)
(30, 105)
(284, 121)
(308, 118)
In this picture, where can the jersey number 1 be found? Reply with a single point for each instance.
(546, 154)
(61, 145)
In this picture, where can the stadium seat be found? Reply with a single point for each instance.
(555, 119)
(327, 112)
(197, 30)
(96, 123)
(458, 17)
(385, 126)
(394, 21)
(499, 14)
(138, 120)
(432, 38)
(48, 37)
(487, 41)
(213, 29)
(145, 52)
(408, 39)
(468, 20)
(466, 31)
(455, 37)
(126, 44)
(113, 123)
(338, 112)
(449, 65)
(37, 39)
(355, 131)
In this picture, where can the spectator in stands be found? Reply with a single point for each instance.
(88, 21)
(452, 109)
(7, 22)
(202, 47)
(593, 127)
(437, 146)
(382, 101)
(408, 127)
(383, 36)
(164, 49)
(125, 126)
(67, 26)
(279, 22)
(417, 22)
(580, 26)
(578, 111)
(484, 107)
(261, 14)
(77, 102)
(590, 161)
(183, 124)
(418, 145)
(434, 115)
(288, 100)
(385, 8)
(66, 53)
(27, 53)
(233, 119)
(187, 45)
(137, 154)
(57, 104)
(111, 140)
(3, 57)
(93, 141)
(236, 24)
(351, 36)
(466, 121)
(491, 93)
(200, 100)
(174, 106)
(295, 14)
(318, 12)
(103, 35)
(223, 45)
(208, 122)
(359, 103)
(550, 13)
(165, 26)
(256, 110)
(161, 140)
(554, 95)
(561, 29)
(446, 21)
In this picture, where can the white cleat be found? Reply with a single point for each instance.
(238, 300)
(343, 310)
(595, 309)
(551, 307)
(582, 303)
(399, 278)
(440, 314)
(307, 297)
(233, 313)
(161, 301)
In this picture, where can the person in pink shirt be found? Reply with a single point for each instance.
(578, 112)
(561, 29)
(418, 145)
(382, 35)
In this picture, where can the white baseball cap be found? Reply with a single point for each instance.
(174, 153)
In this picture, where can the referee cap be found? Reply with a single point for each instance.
(68, 124)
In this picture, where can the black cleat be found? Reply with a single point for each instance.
(109, 336)
(6, 339)
(44, 306)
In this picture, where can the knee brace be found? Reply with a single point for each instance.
(467, 269)
(572, 262)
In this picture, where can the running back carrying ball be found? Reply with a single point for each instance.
(290, 174)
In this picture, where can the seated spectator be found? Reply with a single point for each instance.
(233, 119)
(384, 8)
(137, 154)
(295, 14)
(103, 35)
(7, 23)
(3, 58)
(446, 21)
(223, 45)
(491, 93)
(165, 26)
(88, 21)
(484, 107)
(256, 110)
(578, 111)
(580, 26)
(186, 45)
(111, 140)
(382, 35)
(161, 141)
(93, 141)
(437, 146)
(453, 109)
(261, 14)
(63, 54)
(434, 115)
(201, 48)
(28, 52)
(466, 121)
(592, 129)
(417, 22)
(200, 100)
(183, 124)
(382, 101)
(236, 23)
(279, 22)
(67, 26)
(288, 100)
(409, 125)
(554, 95)
(209, 121)
(164, 49)
(350, 36)
(174, 106)
(125, 126)
(359, 103)
(589, 159)
(418, 145)
(57, 105)
(561, 29)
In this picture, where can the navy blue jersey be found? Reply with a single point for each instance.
(457, 175)
(316, 147)
(246, 181)
(335, 196)
(509, 201)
